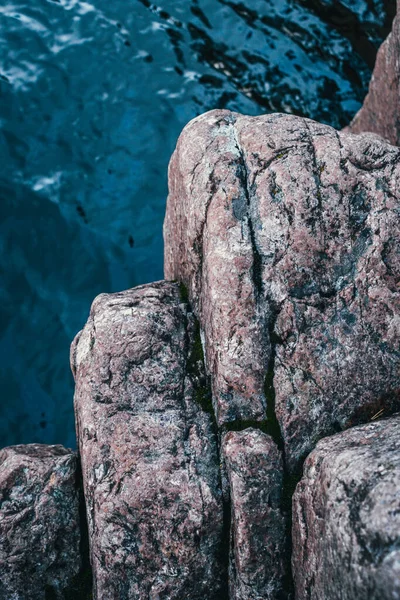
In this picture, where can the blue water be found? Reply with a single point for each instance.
(93, 97)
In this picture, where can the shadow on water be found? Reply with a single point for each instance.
(93, 96)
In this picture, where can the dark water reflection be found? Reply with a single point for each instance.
(93, 97)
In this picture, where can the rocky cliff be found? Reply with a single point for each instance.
(237, 423)
(286, 235)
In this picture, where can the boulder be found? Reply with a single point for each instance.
(148, 447)
(380, 112)
(285, 233)
(346, 516)
(257, 562)
(39, 523)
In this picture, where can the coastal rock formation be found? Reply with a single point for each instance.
(346, 517)
(198, 399)
(285, 233)
(39, 523)
(380, 112)
(254, 468)
(148, 449)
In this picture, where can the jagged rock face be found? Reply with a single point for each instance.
(380, 112)
(346, 517)
(149, 456)
(39, 522)
(254, 469)
(286, 234)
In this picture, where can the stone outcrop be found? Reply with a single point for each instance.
(39, 523)
(148, 449)
(346, 517)
(198, 399)
(283, 237)
(257, 559)
(380, 112)
(285, 233)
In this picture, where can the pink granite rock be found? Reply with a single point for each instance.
(254, 468)
(380, 112)
(209, 246)
(286, 234)
(148, 448)
(39, 523)
(346, 517)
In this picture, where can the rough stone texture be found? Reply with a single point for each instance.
(149, 456)
(254, 468)
(346, 517)
(380, 112)
(39, 522)
(286, 234)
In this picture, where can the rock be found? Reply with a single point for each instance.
(346, 516)
(148, 448)
(380, 112)
(258, 538)
(285, 233)
(208, 246)
(39, 523)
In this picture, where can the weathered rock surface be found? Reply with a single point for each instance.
(380, 112)
(254, 468)
(346, 517)
(149, 456)
(286, 234)
(39, 522)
